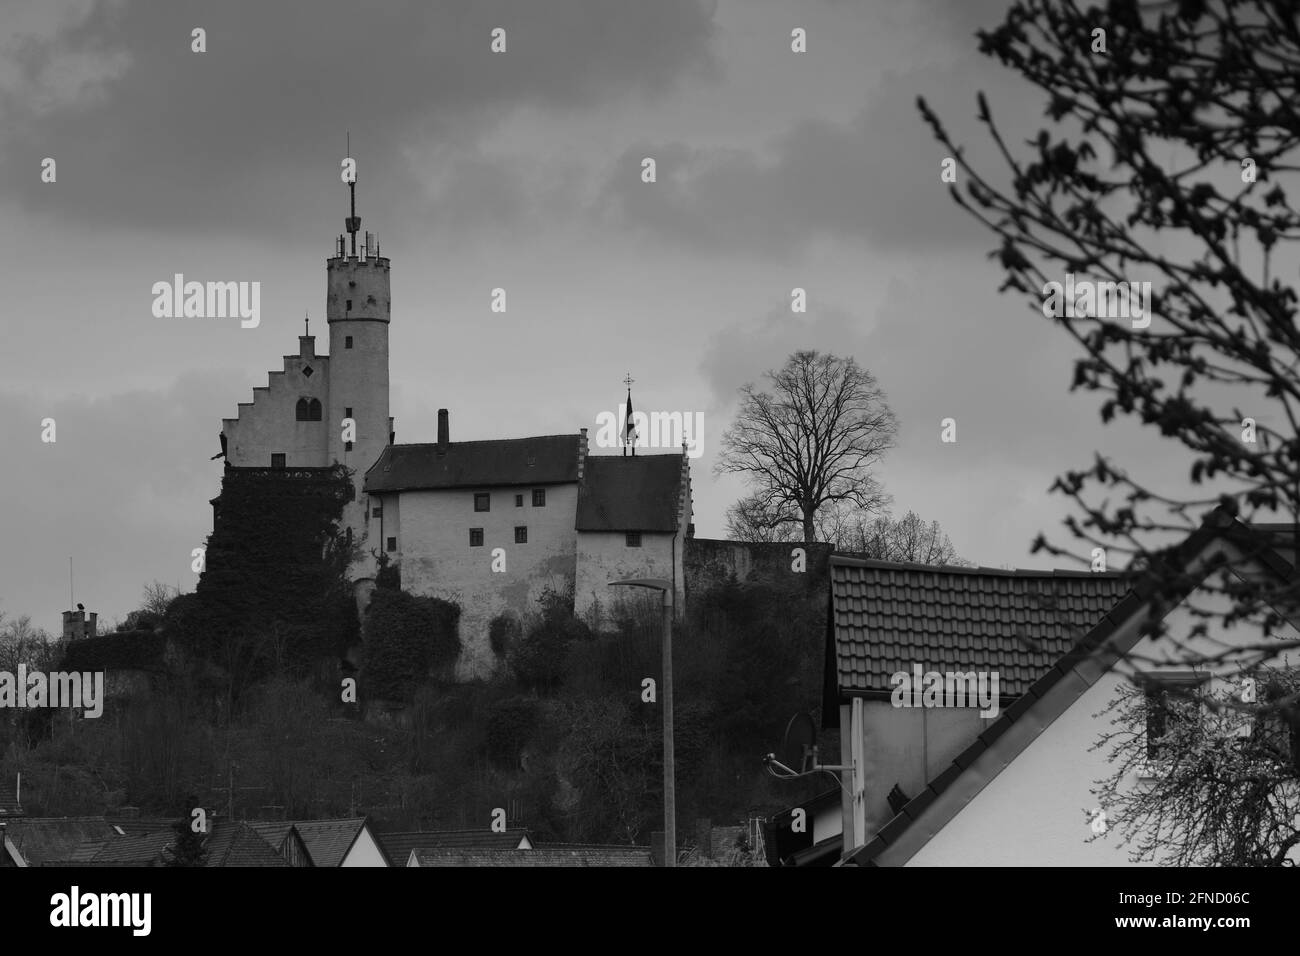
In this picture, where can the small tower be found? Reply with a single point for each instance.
(357, 311)
(79, 624)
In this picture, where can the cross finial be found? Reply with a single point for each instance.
(628, 380)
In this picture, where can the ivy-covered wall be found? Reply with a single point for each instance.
(274, 587)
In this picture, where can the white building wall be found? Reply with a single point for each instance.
(364, 852)
(1038, 811)
(605, 556)
(269, 424)
(432, 530)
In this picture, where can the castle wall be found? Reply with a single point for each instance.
(268, 425)
(604, 556)
(432, 530)
(709, 562)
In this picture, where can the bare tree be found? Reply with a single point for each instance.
(907, 539)
(810, 442)
(1221, 776)
(1166, 178)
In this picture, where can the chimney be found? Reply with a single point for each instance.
(443, 431)
(91, 629)
(582, 452)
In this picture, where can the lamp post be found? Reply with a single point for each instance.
(665, 587)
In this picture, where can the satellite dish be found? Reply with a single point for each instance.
(798, 747)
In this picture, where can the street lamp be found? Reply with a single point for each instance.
(670, 802)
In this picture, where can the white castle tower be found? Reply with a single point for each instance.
(297, 420)
(357, 307)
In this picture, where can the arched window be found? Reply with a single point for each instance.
(303, 410)
(315, 410)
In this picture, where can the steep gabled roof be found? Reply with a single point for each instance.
(637, 493)
(136, 849)
(1092, 656)
(328, 841)
(41, 839)
(888, 616)
(397, 845)
(274, 832)
(238, 844)
(547, 459)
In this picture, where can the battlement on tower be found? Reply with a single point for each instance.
(352, 262)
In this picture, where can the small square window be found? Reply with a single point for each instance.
(377, 511)
(347, 341)
(634, 539)
(521, 534)
(482, 501)
(349, 305)
(277, 461)
(476, 537)
(539, 497)
(307, 371)
(347, 412)
(347, 446)
(519, 501)
(392, 544)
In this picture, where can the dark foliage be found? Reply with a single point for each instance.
(510, 727)
(405, 637)
(188, 849)
(274, 591)
(504, 631)
(121, 650)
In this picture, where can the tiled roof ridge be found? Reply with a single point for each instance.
(847, 559)
(483, 441)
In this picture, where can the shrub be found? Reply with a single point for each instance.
(503, 633)
(540, 660)
(511, 725)
(404, 637)
(389, 574)
(121, 650)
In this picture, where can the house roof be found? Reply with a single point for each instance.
(638, 493)
(547, 459)
(134, 849)
(546, 856)
(237, 844)
(274, 832)
(42, 839)
(1182, 569)
(328, 841)
(230, 844)
(136, 825)
(888, 616)
(397, 845)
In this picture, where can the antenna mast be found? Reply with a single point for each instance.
(354, 221)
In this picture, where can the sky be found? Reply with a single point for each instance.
(519, 170)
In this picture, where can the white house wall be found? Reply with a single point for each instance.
(432, 530)
(1037, 811)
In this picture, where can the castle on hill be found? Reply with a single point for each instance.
(489, 524)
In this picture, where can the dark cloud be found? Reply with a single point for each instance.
(149, 134)
(875, 178)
